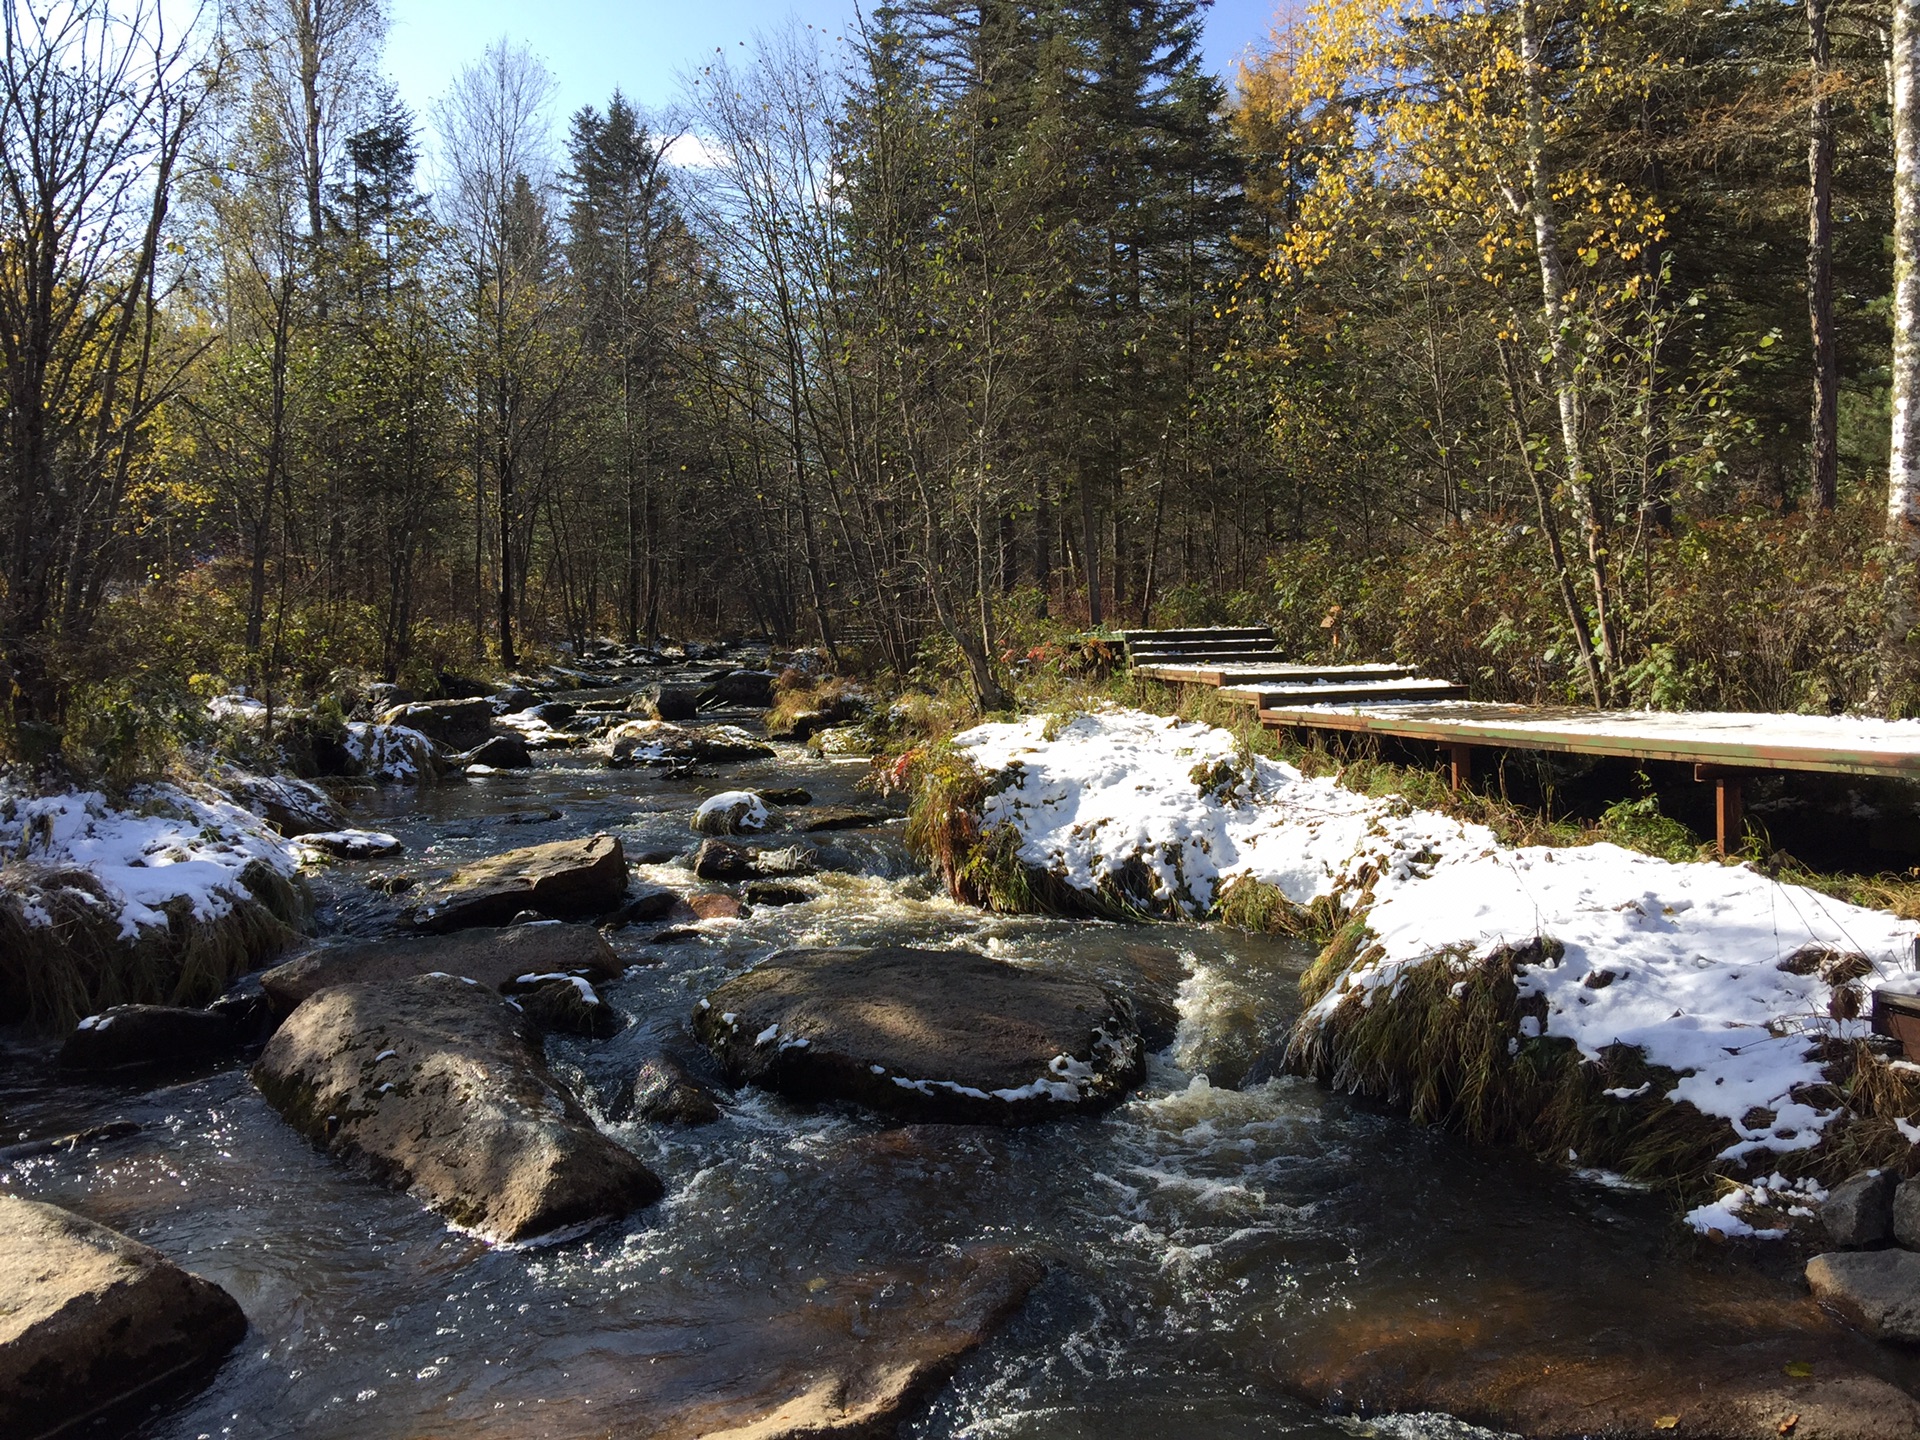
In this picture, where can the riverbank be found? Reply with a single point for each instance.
(1687, 1023)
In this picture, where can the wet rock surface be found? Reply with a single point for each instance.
(853, 1355)
(925, 1034)
(437, 1086)
(92, 1322)
(127, 1036)
(502, 752)
(567, 879)
(1534, 1363)
(664, 1092)
(1877, 1291)
(494, 957)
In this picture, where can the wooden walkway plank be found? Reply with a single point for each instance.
(1838, 745)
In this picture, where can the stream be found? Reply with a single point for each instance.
(1195, 1237)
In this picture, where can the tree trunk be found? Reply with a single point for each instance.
(1897, 652)
(1553, 292)
(1826, 404)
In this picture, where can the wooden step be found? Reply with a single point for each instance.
(1133, 637)
(1387, 691)
(1244, 675)
(1218, 661)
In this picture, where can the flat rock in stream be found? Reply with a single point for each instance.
(941, 1035)
(438, 1086)
(1532, 1360)
(565, 880)
(91, 1321)
(849, 1356)
(494, 957)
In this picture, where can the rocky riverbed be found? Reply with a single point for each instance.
(1197, 1247)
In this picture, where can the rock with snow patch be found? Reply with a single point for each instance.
(396, 754)
(501, 752)
(732, 812)
(353, 844)
(1876, 1290)
(944, 1035)
(514, 699)
(293, 807)
(93, 1323)
(494, 957)
(129, 1035)
(566, 1005)
(456, 724)
(565, 879)
(436, 1085)
(1859, 1211)
(660, 742)
(552, 712)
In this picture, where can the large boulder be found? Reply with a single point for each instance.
(660, 742)
(293, 807)
(670, 702)
(1877, 1291)
(1906, 1214)
(455, 724)
(495, 958)
(943, 1035)
(563, 880)
(128, 1035)
(437, 1085)
(92, 1322)
(1859, 1211)
(750, 689)
(502, 752)
(732, 812)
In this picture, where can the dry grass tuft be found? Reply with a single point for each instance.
(53, 973)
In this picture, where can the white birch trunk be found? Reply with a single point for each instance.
(1553, 305)
(1897, 661)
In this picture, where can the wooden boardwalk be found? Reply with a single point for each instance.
(1396, 701)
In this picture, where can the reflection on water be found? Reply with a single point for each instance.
(1192, 1235)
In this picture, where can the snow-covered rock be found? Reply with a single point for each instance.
(732, 812)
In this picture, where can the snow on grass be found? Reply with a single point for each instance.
(166, 846)
(1680, 960)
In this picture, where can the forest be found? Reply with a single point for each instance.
(1549, 344)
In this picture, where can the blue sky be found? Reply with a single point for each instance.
(591, 46)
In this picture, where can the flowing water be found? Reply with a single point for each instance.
(1195, 1237)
